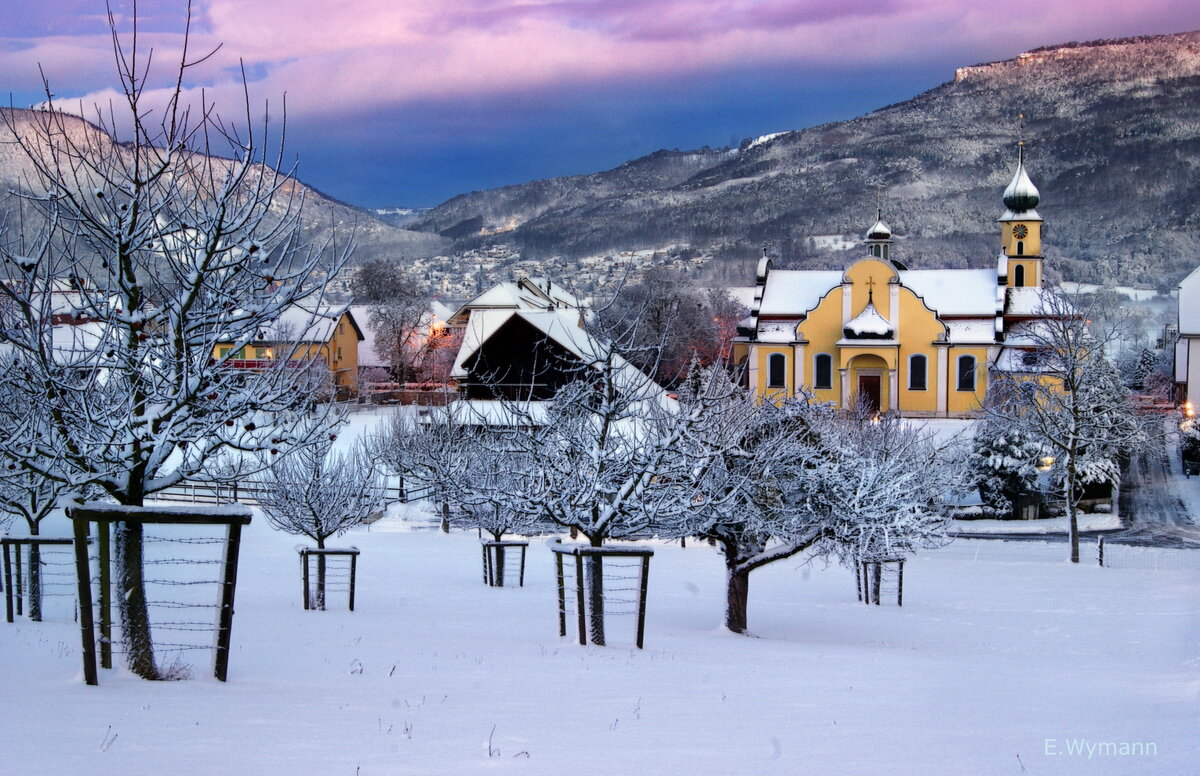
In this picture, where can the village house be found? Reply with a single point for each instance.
(328, 336)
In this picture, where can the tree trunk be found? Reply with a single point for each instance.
(445, 517)
(1072, 516)
(737, 595)
(594, 566)
(876, 581)
(319, 598)
(35, 577)
(131, 598)
(498, 567)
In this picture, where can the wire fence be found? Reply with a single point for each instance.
(1111, 554)
(39, 579)
(182, 576)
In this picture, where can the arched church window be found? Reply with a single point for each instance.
(776, 370)
(1020, 247)
(918, 367)
(1019, 276)
(966, 373)
(823, 371)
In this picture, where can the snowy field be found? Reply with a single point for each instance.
(1004, 660)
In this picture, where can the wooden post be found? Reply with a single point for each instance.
(522, 579)
(858, 578)
(486, 578)
(8, 591)
(353, 574)
(103, 553)
(20, 586)
(641, 626)
(562, 596)
(579, 598)
(304, 574)
(83, 578)
(900, 586)
(228, 589)
(1099, 553)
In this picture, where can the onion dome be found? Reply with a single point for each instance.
(1021, 195)
(879, 231)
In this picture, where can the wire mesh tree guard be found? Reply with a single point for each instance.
(188, 582)
(337, 572)
(498, 555)
(874, 577)
(604, 582)
(36, 568)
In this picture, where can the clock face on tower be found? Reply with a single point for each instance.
(1020, 230)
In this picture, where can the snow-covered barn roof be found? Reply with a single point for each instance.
(561, 326)
(525, 294)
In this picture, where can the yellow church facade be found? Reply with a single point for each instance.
(921, 343)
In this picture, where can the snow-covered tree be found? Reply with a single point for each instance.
(175, 231)
(888, 498)
(1003, 464)
(779, 480)
(759, 470)
(1069, 398)
(317, 492)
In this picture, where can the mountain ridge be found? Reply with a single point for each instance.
(1111, 140)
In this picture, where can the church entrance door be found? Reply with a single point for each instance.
(869, 392)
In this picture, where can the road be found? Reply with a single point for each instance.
(1151, 502)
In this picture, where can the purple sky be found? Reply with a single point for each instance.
(409, 102)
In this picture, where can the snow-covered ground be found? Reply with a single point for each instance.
(1004, 659)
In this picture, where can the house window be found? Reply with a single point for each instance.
(917, 367)
(776, 370)
(262, 353)
(222, 352)
(339, 353)
(1019, 276)
(823, 371)
(966, 373)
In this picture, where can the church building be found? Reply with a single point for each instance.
(918, 342)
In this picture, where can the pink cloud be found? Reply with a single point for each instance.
(336, 56)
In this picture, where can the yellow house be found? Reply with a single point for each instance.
(326, 335)
(916, 342)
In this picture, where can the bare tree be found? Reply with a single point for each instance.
(1067, 395)
(318, 493)
(406, 337)
(178, 232)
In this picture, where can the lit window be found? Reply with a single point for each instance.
(917, 367)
